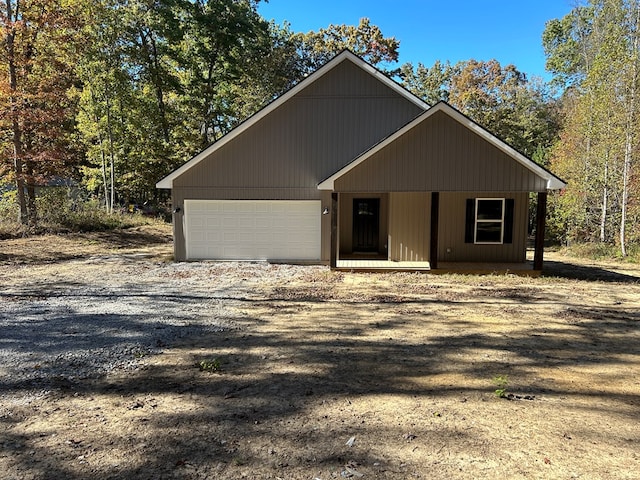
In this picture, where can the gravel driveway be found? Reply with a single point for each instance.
(58, 329)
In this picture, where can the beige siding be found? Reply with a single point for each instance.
(292, 149)
(440, 155)
(325, 228)
(305, 140)
(451, 232)
(409, 226)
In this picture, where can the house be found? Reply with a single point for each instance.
(350, 169)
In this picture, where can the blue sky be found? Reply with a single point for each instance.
(507, 30)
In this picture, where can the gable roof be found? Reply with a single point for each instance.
(553, 182)
(345, 55)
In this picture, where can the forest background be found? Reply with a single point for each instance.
(100, 99)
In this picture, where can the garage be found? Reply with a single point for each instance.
(252, 229)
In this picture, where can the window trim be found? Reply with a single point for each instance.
(477, 221)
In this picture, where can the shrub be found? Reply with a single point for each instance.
(602, 251)
(64, 210)
(9, 225)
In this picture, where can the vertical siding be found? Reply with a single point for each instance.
(305, 140)
(179, 244)
(439, 154)
(452, 229)
(325, 228)
(409, 226)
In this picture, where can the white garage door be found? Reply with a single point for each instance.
(252, 229)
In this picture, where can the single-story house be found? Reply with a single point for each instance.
(350, 169)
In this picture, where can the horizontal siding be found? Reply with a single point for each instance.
(451, 231)
(442, 155)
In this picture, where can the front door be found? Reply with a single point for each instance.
(366, 224)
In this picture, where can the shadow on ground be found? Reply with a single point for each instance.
(587, 273)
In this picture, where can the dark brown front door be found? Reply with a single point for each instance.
(366, 224)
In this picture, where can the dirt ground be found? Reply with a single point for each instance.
(321, 375)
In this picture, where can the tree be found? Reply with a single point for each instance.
(106, 84)
(432, 84)
(165, 78)
(519, 111)
(39, 49)
(598, 146)
(223, 41)
(365, 40)
(277, 68)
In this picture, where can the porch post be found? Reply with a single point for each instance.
(433, 244)
(541, 215)
(334, 230)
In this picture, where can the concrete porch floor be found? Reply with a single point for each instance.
(475, 268)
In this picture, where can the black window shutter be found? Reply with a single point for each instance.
(470, 221)
(508, 221)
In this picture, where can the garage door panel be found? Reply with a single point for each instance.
(200, 236)
(247, 222)
(252, 230)
(262, 222)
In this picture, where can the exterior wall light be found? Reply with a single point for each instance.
(325, 211)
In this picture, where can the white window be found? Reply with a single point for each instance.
(489, 220)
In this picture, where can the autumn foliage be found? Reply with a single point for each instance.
(39, 51)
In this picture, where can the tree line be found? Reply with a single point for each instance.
(118, 93)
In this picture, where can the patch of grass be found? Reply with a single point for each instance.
(502, 382)
(209, 365)
(602, 251)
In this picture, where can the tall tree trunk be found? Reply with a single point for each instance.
(112, 175)
(625, 194)
(111, 157)
(16, 131)
(23, 215)
(605, 202)
(103, 158)
(153, 62)
(31, 194)
(105, 185)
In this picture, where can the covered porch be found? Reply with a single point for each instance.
(424, 232)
